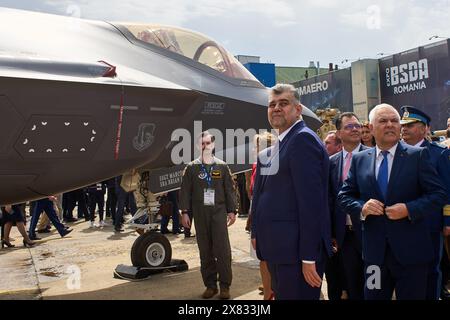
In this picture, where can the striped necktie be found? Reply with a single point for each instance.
(348, 161)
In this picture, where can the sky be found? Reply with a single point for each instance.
(284, 32)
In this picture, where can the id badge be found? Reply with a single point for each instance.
(208, 197)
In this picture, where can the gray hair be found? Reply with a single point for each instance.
(378, 107)
(280, 88)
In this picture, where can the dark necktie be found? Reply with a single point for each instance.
(383, 174)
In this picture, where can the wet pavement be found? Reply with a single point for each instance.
(81, 266)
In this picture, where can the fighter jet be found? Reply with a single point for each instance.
(82, 101)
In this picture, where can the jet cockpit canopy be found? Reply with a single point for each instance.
(192, 45)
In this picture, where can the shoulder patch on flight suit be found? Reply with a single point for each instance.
(216, 174)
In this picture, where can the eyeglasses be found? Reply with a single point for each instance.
(352, 126)
(207, 143)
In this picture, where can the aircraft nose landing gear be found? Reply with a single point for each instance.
(151, 249)
(151, 253)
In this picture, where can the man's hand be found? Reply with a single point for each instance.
(8, 209)
(185, 220)
(334, 245)
(447, 231)
(373, 207)
(53, 198)
(231, 218)
(254, 243)
(397, 211)
(311, 275)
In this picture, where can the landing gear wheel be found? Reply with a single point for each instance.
(151, 249)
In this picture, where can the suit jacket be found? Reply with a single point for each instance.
(339, 217)
(440, 159)
(412, 181)
(290, 208)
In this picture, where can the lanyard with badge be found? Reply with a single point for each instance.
(208, 193)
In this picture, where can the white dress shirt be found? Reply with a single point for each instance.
(418, 144)
(284, 134)
(281, 137)
(344, 155)
(348, 220)
(379, 159)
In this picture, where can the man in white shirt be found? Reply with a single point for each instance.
(346, 233)
(291, 226)
(392, 188)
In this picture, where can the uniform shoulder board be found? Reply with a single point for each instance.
(437, 145)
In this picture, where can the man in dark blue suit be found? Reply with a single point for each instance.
(46, 205)
(392, 188)
(291, 227)
(345, 230)
(415, 126)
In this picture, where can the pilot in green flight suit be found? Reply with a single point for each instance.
(207, 189)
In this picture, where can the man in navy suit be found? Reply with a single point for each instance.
(415, 125)
(46, 205)
(392, 188)
(334, 270)
(345, 230)
(291, 227)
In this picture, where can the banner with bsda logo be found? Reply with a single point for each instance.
(419, 78)
(331, 90)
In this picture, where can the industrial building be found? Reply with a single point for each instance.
(269, 73)
(418, 77)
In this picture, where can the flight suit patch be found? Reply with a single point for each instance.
(216, 174)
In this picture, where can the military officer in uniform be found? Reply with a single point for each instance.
(415, 125)
(207, 189)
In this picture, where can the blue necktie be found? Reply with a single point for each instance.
(383, 174)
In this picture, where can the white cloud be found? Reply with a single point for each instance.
(287, 32)
(324, 3)
(278, 12)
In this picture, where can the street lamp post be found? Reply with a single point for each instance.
(436, 37)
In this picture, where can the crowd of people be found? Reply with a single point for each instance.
(371, 200)
(367, 208)
(58, 211)
(374, 195)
